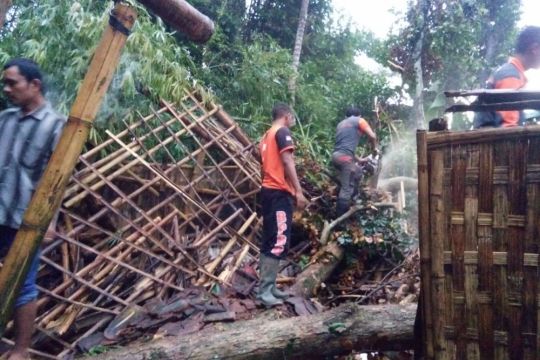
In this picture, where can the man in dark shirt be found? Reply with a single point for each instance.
(348, 133)
(29, 133)
(280, 189)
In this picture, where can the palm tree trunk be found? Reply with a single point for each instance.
(298, 47)
(418, 101)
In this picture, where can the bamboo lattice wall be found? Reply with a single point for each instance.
(139, 219)
(479, 203)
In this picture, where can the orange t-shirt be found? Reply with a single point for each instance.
(516, 81)
(276, 140)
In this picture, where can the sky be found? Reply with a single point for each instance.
(380, 17)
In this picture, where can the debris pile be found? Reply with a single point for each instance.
(157, 237)
(166, 205)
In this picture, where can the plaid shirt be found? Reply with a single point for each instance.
(26, 144)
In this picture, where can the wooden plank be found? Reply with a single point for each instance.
(470, 215)
(459, 165)
(437, 232)
(499, 234)
(485, 253)
(426, 311)
(449, 286)
(445, 138)
(517, 158)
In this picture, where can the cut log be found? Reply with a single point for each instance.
(317, 272)
(339, 331)
(393, 184)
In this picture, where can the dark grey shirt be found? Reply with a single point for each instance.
(26, 144)
(348, 134)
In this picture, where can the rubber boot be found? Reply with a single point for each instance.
(275, 291)
(268, 268)
(342, 207)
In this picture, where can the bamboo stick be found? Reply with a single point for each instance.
(121, 170)
(480, 136)
(50, 189)
(231, 156)
(121, 263)
(90, 331)
(82, 272)
(112, 159)
(424, 231)
(208, 153)
(215, 230)
(78, 303)
(84, 282)
(144, 215)
(211, 267)
(32, 351)
(437, 232)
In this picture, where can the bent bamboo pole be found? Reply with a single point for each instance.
(50, 190)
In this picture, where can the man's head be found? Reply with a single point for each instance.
(528, 47)
(282, 111)
(23, 83)
(352, 111)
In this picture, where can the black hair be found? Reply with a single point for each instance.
(280, 110)
(526, 38)
(352, 111)
(27, 68)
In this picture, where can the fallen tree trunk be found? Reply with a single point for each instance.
(317, 272)
(339, 331)
(325, 261)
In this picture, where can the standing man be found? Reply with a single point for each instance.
(28, 135)
(280, 191)
(512, 76)
(348, 135)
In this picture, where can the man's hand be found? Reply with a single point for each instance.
(301, 201)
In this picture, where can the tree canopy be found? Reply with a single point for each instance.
(248, 62)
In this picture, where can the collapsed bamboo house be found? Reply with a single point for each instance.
(165, 205)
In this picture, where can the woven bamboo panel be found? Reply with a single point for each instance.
(479, 203)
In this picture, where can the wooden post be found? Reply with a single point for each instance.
(50, 190)
(425, 314)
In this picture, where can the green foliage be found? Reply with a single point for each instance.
(62, 35)
(383, 236)
(97, 350)
(246, 76)
(462, 41)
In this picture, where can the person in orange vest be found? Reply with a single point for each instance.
(280, 192)
(511, 75)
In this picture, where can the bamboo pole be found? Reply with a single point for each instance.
(50, 190)
(424, 232)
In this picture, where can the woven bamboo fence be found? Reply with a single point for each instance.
(165, 205)
(479, 203)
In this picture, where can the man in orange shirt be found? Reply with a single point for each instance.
(280, 191)
(348, 133)
(512, 76)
